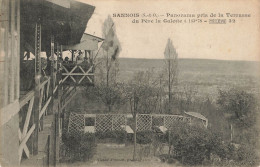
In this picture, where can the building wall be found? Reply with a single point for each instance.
(9, 80)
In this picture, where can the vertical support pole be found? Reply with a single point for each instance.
(164, 122)
(231, 134)
(112, 123)
(135, 131)
(52, 65)
(18, 47)
(5, 42)
(57, 114)
(151, 122)
(72, 55)
(95, 126)
(37, 85)
(12, 54)
(52, 87)
(61, 50)
(125, 128)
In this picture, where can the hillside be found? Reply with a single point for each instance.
(205, 75)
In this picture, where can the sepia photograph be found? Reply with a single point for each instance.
(120, 83)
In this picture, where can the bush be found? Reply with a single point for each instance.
(116, 135)
(79, 147)
(246, 155)
(193, 144)
(87, 146)
(144, 137)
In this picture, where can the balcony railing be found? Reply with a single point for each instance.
(77, 74)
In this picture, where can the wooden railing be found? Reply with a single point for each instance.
(28, 122)
(34, 106)
(26, 107)
(77, 73)
(44, 100)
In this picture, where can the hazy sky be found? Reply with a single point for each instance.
(239, 41)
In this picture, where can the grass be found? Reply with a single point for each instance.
(120, 156)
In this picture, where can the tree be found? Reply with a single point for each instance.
(240, 105)
(171, 64)
(109, 95)
(108, 66)
(142, 97)
(133, 92)
(111, 49)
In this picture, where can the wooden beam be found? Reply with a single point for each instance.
(67, 102)
(76, 74)
(26, 98)
(25, 139)
(4, 49)
(28, 116)
(44, 82)
(17, 45)
(55, 89)
(74, 68)
(44, 107)
(37, 85)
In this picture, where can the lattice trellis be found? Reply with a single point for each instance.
(103, 122)
(110, 122)
(158, 120)
(76, 124)
(170, 119)
(117, 121)
(144, 122)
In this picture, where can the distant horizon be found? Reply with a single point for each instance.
(187, 58)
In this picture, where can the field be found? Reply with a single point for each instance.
(207, 76)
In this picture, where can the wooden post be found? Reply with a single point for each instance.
(52, 65)
(125, 128)
(169, 141)
(151, 122)
(51, 107)
(164, 121)
(135, 131)
(112, 123)
(12, 56)
(231, 134)
(37, 86)
(72, 55)
(57, 115)
(95, 123)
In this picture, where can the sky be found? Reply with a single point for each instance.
(237, 41)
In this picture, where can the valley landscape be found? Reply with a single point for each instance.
(205, 74)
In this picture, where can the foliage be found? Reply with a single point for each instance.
(108, 64)
(80, 147)
(144, 137)
(109, 95)
(192, 144)
(247, 155)
(143, 92)
(240, 105)
(171, 67)
(115, 135)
